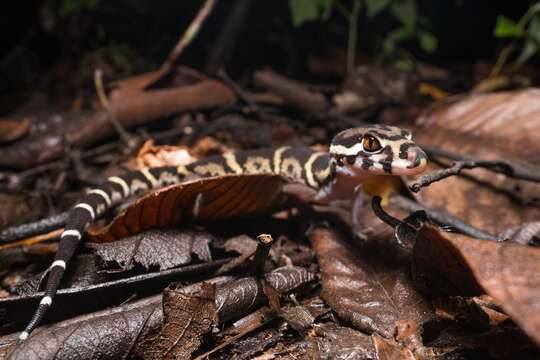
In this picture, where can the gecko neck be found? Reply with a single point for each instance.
(343, 187)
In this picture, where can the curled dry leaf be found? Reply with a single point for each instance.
(369, 289)
(164, 248)
(302, 317)
(206, 199)
(11, 130)
(479, 311)
(151, 155)
(241, 296)
(510, 273)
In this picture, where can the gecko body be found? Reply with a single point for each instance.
(355, 156)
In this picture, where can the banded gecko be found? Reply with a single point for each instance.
(355, 156)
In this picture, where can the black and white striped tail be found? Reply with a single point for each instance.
(96, 202)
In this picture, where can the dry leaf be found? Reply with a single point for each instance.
(151, 155)
(369, 289)
(187, 317)
(11, 130)
(508, 272)
(164, 248)
(213, 198)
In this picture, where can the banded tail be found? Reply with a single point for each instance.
(83, 213)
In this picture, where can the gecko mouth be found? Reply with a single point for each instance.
(383, 164)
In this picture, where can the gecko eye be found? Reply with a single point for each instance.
(371, 144)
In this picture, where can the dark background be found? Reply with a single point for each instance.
(47, 52)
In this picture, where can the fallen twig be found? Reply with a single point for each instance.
(466, 162)
(238, 91)
(293, 93)
(131, 110)
(188, 35)
(18, 232)
(33, 239)
(100, 90)
(264, 243)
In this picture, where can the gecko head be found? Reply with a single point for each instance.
(377, 150)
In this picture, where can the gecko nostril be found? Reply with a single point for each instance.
(417, 158)
(420, 156)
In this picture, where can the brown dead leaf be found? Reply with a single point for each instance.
(501, 126)
(510, 273)
(339, 342)
(164, 248)
(187, 317)
(11, 130)
(368, 288)
(391, 350)
(478, 311)
(512, 117)
(206, 199)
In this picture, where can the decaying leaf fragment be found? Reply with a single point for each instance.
(186, 318)
(508, 272)
(164, 248)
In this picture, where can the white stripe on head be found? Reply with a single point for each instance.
(46, 300)
(148, 175)
(101, 193)
(59, 263)
(86, 207)
(119, 181)
(75, 233)
(346, 151)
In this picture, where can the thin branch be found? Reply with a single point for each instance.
(238, 91)
(55, 234)
(466, 162)
(100, 90)
(188, 36)
(22, 231)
